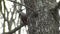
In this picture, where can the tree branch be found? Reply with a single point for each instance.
(14, 30)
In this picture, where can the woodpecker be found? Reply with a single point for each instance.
(24, 18)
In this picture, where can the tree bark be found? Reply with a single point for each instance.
(45, 22)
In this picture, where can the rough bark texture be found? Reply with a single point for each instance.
(45, 22)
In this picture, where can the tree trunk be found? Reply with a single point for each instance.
(44, 22)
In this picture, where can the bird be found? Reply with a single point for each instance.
(24, 18)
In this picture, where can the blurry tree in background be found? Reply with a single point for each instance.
(47, 21)
(42, 16)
